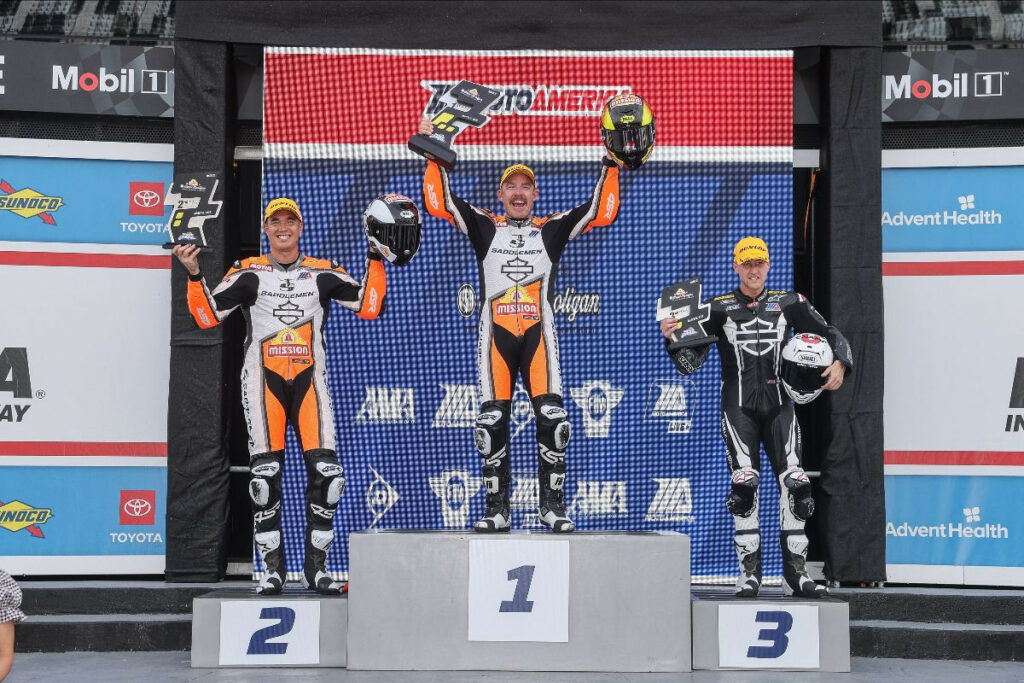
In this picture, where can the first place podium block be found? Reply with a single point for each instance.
(236, 627)
(523, 601)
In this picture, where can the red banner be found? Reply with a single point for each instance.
(699, 99)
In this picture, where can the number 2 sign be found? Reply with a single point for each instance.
(269, 632)
(519, 590)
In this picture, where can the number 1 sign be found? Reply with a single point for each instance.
(519, 591)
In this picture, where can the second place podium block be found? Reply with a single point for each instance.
(519, 602)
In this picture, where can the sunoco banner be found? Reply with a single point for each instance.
(953, 85)
(646, 451)
(87, 79)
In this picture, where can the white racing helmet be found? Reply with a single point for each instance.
(804, 357)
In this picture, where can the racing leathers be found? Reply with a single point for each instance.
(284, 379)
(517, 261)
(756, 410)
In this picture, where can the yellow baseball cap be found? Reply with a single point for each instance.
(750, 249)
(276, 205)
(517, 168)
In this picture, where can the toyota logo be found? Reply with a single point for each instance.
(146, 198)
(137, 507)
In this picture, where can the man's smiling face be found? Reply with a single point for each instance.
(517, 195)
(283, 229)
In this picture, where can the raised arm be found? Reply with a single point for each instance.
(210, 307)
(365, 298)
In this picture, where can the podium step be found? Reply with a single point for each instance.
(104, 633)
(929, 640)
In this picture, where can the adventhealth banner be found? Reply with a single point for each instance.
(117, 80)
(954, 373)
(646, 450)
(953, 209)
(83, 358)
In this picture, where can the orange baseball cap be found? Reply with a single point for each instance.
(517, 168)
(276, 205)
(750, 249)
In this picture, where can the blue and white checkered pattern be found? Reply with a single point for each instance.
(404, 386)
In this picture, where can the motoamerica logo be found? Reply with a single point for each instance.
(29, 203)
(534, 100)
(571, 303)
(671, 401)
(673, 501)
(15, 516)
(458, 407)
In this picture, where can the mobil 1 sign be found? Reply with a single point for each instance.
(119, 80)
(769, 635)
(519, 590)
(952, 85)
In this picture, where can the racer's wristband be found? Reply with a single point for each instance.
(374, 256)
(608, 161)
(197, 277)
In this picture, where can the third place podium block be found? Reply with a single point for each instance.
(523, 601)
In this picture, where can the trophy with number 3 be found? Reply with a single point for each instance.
(682, 302)
(466, 105)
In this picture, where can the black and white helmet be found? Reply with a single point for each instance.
(804, 357)
(392, 225)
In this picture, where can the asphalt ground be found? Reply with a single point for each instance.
(158, 667)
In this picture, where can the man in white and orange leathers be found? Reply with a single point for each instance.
(518, 256)
(285, 297)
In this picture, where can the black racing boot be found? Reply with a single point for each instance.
(498, 515)
(314, 569)
(551, 508)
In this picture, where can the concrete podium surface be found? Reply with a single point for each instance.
(458, 600)
(771, 632)
(236, 627)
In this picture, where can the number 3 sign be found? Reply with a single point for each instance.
(772, 635)
(519, 591)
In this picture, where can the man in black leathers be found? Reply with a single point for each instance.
(751, 325)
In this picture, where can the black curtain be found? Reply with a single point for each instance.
(852, 494)
(197, 458)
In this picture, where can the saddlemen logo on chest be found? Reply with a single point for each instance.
(757, 337)
(518, 242)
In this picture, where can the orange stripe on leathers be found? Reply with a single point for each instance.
(433, 193)
(200, 306)
(538, 370)
(309, 419)
(501, 377)
(373, 293)
(277, 419)
(608, 203)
